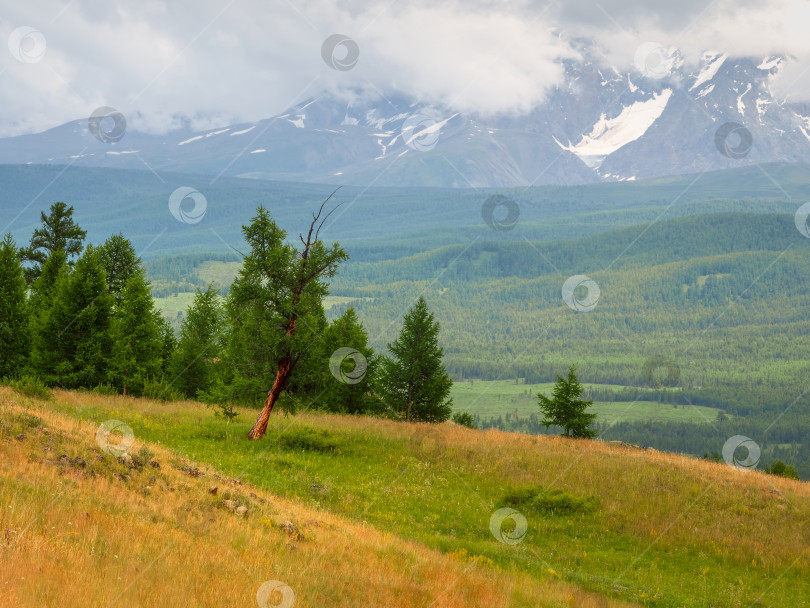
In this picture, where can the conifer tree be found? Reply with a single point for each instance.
(14, 323)
(58, 231)
(566, 409)
(137, 341)
(346, 367)
(275, 307)
(72, 341)
(120, 263)
(413, 381)
(193, 365)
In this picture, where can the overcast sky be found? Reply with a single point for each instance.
(218, 62)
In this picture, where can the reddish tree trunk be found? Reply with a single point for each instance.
(260, 427)
(284, 371)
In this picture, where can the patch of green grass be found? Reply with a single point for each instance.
(493, 398)
(21, 422)
(31, 387)
(170, 306)
(547, 501)
(221, 274)
(306, 439)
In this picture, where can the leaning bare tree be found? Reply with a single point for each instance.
(278, 288)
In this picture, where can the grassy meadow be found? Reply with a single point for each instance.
(493, 398)
(404, 514)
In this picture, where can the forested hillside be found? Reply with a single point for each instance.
(720, 296)
(705, 275)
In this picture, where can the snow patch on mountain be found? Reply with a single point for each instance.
(709, 72)
(436, 127)
(805, 119)
(191, 139)
(608, 135)
(770, 62)
(762, 107)
(706, 91)
(740, 104)
(243, 131)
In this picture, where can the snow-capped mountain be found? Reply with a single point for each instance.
(604, 124)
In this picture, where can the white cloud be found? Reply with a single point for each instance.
(211, 62)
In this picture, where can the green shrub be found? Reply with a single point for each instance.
(226, 411)
(143, 457)
(464, 419)
(105, 389)
(161, 390)
(31, 387)
(782, 470)
(308, 439)
(536, 499)
(27, 421)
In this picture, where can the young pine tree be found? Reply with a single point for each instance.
(347, 387)
(192, 368)
(566, 409)
(137, 341)
(43, 290)
(120, 262)
(72, 340)
(413, 381)
(42, 296)
(14, 323)
(58, 231)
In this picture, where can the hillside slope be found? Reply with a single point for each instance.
(653, 528)
(80, 528)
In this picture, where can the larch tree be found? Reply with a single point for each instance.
(120, 262)
(413, 381)
(14, 324)
(137, 341)
(346, 367)
(72, 341)
(566, 409)
(199, 347)
(58, 231)
(41, 297)
(275, 305)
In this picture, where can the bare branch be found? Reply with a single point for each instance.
(317, 232)
(237, 251)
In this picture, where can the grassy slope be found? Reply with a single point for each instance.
(668, 530)
(82, 536)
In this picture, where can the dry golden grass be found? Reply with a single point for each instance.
(73, 536)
